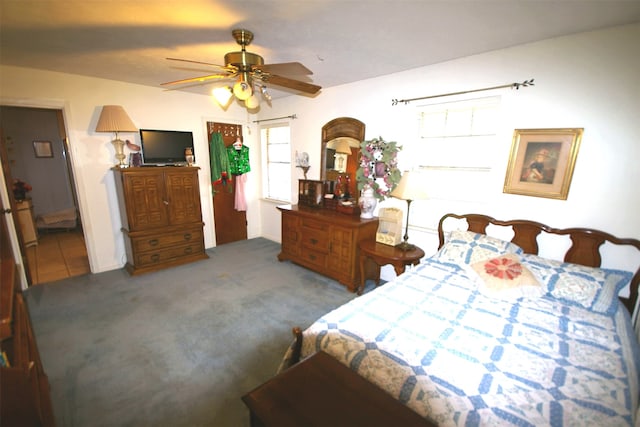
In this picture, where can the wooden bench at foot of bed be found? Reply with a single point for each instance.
(320, 391)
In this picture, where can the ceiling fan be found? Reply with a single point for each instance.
(250, 73)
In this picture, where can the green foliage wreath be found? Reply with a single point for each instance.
(378, 165)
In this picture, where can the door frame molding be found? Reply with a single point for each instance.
(64, 107)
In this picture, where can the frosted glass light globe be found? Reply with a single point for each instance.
(252, 102)
(242, 90)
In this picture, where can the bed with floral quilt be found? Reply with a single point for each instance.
(487, 332)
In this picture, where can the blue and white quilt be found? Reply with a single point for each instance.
(461, 358)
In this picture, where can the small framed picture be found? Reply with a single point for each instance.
(541, 162)
(43, 149)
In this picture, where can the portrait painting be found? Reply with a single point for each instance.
(541, 162)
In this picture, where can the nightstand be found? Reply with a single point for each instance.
(383, 254)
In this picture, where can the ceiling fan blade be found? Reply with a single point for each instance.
(291, 83)
(202, 79)
(223, 67)
(287, 68)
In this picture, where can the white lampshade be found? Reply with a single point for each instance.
(341, 141)
(410, 187)
(113, 118)
(222, 95)
(342, 146)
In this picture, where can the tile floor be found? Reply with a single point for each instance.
(58, 255)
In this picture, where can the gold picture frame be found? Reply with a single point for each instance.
(541, 162)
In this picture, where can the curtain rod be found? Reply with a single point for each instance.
(516, 86)
(293, 116)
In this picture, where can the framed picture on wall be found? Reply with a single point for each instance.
(42, 149)
(541, 162)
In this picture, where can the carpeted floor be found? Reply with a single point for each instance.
(177, 347)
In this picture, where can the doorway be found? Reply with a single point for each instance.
(49, 225)
(230, 223)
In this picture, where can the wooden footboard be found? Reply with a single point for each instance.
(297, 346)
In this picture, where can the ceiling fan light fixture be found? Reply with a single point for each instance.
(252, 102)
(242, 90)
(222, 94)
(265, 94)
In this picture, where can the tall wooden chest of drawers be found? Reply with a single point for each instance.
(325, 241)
(161, 217)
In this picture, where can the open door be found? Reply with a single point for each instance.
(230, 224)
(12, 208)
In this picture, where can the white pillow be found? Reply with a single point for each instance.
(504, 277)
(468, 247)
(593, 288)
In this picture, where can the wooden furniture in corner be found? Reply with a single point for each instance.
(24, 387)
(325, 241)
(161, 217)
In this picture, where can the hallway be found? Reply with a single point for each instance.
(58, 255)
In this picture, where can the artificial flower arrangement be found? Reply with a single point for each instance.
(378, 162)
(20, 189)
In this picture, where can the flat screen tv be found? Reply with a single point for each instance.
(164, 147)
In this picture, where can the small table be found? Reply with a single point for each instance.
(320, 391)
(383, 254)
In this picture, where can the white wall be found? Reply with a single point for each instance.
(92, 153)
(588, 80)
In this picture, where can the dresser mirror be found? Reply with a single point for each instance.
(340, 147)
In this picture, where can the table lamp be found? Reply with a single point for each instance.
(410, 188)
(113, 118)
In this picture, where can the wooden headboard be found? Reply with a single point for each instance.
(584, 249)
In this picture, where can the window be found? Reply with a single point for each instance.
(276, 142)
(457, 146)
(456, 150)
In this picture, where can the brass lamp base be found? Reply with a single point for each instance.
(406, 246)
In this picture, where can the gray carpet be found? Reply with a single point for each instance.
(177, 347)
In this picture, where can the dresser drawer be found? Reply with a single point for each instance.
(315, 258)
(317, 240)
(143, 259)
(313, 224)
(160, 241)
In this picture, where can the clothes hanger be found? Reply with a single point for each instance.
(238, 144)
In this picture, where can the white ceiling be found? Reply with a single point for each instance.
(340, 41)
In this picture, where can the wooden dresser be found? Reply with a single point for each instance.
(161, 217)
(25, 398)
(325, 241)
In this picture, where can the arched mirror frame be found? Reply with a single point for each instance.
(336, 128)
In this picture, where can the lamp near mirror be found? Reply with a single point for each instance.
(113, 118)
(342, 148)
(411, 187)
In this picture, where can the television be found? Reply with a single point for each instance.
(165, 147)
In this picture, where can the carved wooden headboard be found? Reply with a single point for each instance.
(584, 250)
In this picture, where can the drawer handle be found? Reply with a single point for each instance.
(155, 257)
(165, 203)
(188, 250)
(314, 241)
(187, 236)
(153, 242)
(312, 257)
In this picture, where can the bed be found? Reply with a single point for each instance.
(488, 332)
